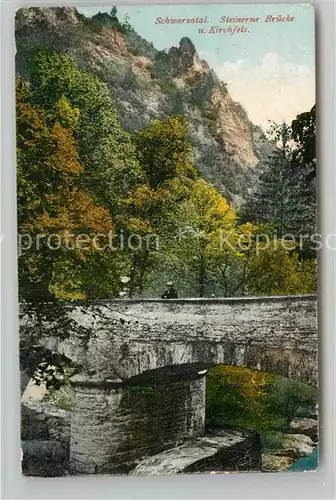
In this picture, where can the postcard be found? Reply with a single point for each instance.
(167, 241)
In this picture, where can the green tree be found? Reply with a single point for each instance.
(164, 150)
(127, 23)
(114, 12)
(105, 149)
(302, 182)
(287, 396)
(286, 192)
(204, 216)
(52, 199)
(229, 260)
(269, 200)
(273, 269)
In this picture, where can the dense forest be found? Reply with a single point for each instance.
(107, 212)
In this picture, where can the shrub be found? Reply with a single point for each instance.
(237, 396)
(270, 440)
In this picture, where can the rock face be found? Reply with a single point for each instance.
(149, 84)
(224, 451)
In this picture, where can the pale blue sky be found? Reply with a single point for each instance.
(276, 58)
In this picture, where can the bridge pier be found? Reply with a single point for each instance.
(114, 424)
(92, 435)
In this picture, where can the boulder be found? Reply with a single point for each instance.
(44, 458)
(44, 449)
(295, 446)
(227, 451)
(275, 463)
(307, 426)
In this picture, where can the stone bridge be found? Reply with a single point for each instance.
(141, 388)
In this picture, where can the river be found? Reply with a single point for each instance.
(305, 463)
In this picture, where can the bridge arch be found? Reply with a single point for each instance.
(130, 338)
(127, 337)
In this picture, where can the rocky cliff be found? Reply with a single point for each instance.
(148, 84)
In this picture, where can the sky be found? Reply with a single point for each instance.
(270, 69)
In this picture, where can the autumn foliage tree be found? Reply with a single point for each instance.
(81, 174)
(256, 400)
(52, 199)
(204, 216)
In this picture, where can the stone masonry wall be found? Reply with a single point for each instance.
(45, 439)
(127, 337)
(113, 428)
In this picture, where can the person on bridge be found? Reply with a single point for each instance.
(170, 293)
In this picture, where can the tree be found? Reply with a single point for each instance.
(163, 151)
(204, 216)
(230, 260)
(287, 396)
(269, 200)
(105, 150)
(285, 199)
(127, 23)
(76, 166)
(52, 201)
(286, 191)
(304, 134)
(113, 12)
(302, 182)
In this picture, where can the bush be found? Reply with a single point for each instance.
(255, 400)
(61, 398)
(237, 397)
(270, 440)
